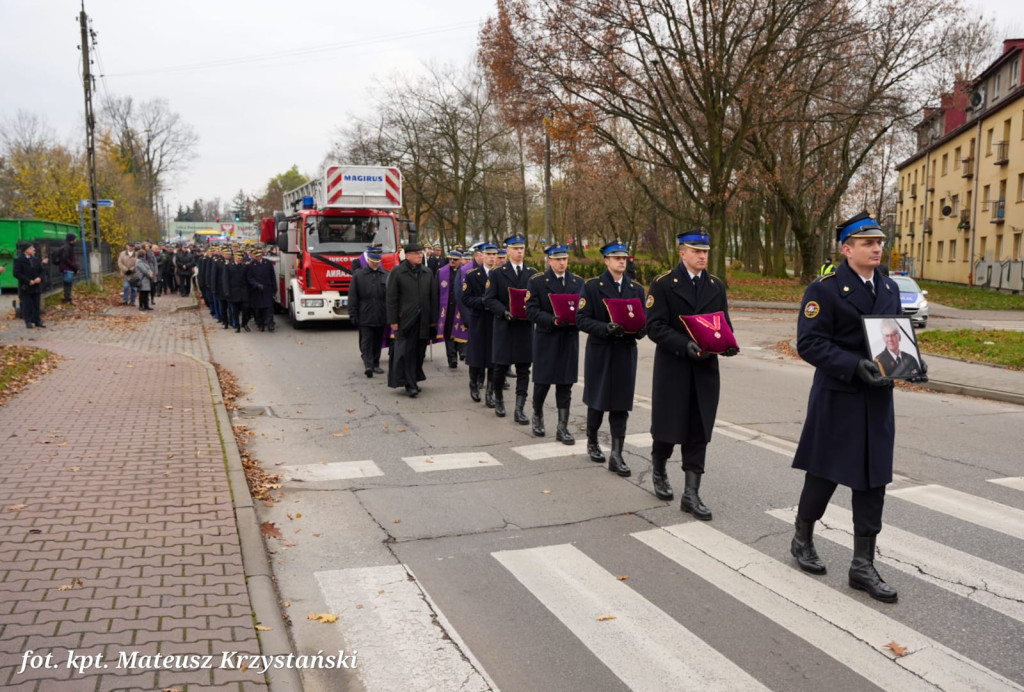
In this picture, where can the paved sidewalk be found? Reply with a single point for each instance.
(118, 536)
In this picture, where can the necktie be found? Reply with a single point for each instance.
(696, 282)
(562, 280)
(517, 270)
(897, 361)
(871, 289)
(618, 287)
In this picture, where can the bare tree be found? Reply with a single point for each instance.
(153, 142)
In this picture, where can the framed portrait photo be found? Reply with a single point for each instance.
(892, 346)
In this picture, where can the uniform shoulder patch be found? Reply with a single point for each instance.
(465, 285)
(812, 310)
(650, 301)
(537, 274)
(582, 303)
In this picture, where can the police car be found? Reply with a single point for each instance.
(915, 304)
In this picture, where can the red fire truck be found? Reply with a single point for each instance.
(329, 222)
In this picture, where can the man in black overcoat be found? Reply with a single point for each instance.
(513, 336)
(412, 308)
(28, 270)
(850, 429)
(184, 264)
(609, 365)
(684, 394)
(367, 308)
(236, 292)
(261, 277)
(556, 341)
(479, 355)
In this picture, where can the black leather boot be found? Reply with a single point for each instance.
(474, 388)
(562, 433)
(489, 396)
(538, 420)
(616, 463)
(803, 550)
(518, 415)
(864, 576)
(594, 449)
(691, 497)
(662, 488)
(499, 402)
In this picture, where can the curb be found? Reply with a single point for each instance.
(259, 577)
(978, 392)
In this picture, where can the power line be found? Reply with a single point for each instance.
(297, 52)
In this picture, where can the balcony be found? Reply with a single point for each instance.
(913, 191)
(998, 211)
(965, 221)
(968, 167)
(927, 227)
(931, 184)
(1002, 153)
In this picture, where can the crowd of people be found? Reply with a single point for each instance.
(509, 320)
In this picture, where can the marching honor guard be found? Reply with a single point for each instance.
(367, 308)
(551, 306)
(684, 395)
(505, 298)
(262, 278)
(611, 311)
(481, 326)
(850, 429)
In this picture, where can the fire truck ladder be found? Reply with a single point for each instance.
(314, 188)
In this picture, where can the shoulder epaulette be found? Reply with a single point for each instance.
(713, 277)
(826, 276)
(593, 278)
(537, 274)
(659, 277)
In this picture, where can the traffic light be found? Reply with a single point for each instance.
(218, 219)
(238, 217)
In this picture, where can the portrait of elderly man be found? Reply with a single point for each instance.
(893, 361)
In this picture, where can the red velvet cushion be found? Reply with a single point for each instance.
(629, 312)
(711, 332)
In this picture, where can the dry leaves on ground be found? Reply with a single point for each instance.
(20, 366)
(897, 649)
(325, 618)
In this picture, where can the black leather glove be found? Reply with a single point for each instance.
(730, 352)
(508, 315)
(921, 378)
(641, 333)
(354, 321)
(867, 371)
(615, 329)
(694, 353)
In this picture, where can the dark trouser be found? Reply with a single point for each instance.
(563, 394)
(522, 377)
(143, 299)
(616, 421)
(410, 353)
(67, 291)
(451, 349)
(867, 505)
(370, 340)
(239, 313)
(265, 318)
(30, 307)
(693, 451)
(186, 285)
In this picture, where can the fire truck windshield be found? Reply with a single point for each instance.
(349, 234)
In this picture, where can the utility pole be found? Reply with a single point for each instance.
(548, 240)
(90, 124)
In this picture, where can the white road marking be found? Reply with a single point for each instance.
(549, 450)
(446, 462)
(641, 644)
(849, 631)
(1015, 483)
(333, 471)
(978, 580)
(640, 440)
(970, 508)
(391, 625)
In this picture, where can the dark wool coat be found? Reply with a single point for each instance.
(412, 295)
(512, 339)
(481, 326)
(609, 365)
(261, 277)
(850, 429)
(367, 297)
(677, 378)
(556, 349)
(235, 286)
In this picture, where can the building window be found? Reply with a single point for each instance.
(938, 257)
(989, 136)
(999, 248)
(983, 247)
(945, 164)
(928, 255)
(1016, 247)
(956, 203)
(1020, 187)
(997, 85)
(1014, 72)
(952, 251)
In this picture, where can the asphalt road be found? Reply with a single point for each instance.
(461, 553)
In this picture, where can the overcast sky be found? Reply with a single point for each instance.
(265, 83)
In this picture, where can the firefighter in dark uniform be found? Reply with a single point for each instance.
(481, 326)
(367, 309)
(849, 432)
(556, 342)
(609, 366)
(513, 336)
(684, 395)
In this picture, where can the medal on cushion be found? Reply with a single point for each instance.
(715, 324)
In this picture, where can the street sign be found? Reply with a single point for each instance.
(84, 203)
(104, 203)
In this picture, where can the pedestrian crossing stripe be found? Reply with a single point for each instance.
(1015, 483)
(447, 462)
(333, 471)
(846, 629)
(547, 450)
(963, 574)
(970, 508)
(641, 644)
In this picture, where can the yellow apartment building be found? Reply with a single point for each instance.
(960, 210)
